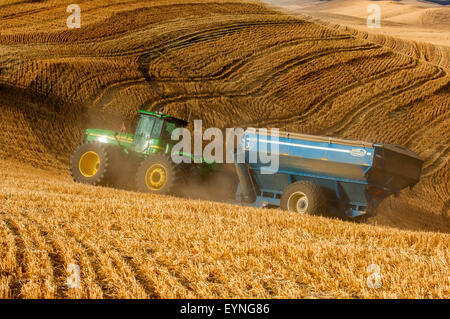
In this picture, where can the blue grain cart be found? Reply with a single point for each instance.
(318, 174)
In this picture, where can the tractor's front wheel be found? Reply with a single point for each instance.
(157, 174)
(90, 164)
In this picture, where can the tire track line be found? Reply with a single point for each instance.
(53, 233)
(96, 258)
(259, 87)
(335, 94)
(223, 74)
(441, 159)
(9, 264)
(380, 98)
(56, 271)
(17, 280)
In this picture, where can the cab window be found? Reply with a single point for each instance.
(168, 129)
(143, 132)
(156, 133)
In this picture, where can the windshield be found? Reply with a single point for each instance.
(149, 127)
(143, 132)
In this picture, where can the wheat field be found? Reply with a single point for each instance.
(229, 63)
(130, 245)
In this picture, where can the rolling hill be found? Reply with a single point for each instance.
(411, 20)
(230, 63)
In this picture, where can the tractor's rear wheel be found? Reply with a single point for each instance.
(90, 164)
(304, 197)
(158, 174)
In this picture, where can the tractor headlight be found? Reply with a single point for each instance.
(102, 139)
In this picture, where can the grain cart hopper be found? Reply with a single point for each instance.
(318, 174)
(140, 161)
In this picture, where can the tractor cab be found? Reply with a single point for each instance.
(154, 131)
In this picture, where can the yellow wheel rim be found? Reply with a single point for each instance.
(89, 164)
(156, 177)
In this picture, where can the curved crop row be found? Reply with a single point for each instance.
(229, 63)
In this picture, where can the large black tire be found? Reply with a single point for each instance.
(304, 197)
(91, 164)
(158, 174)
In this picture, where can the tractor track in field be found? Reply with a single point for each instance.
(351, 116)
(14, 265)
(140, 275)
(25, 13)
(172, 39)
(20, 257)
(179, 278)
(258, 87)
(60, 263)
(446, 210)
(422, 131)
(199, 37)
(235, 68)
(53, 255)
(170, 36)
(93, 257)
(328, 100)
(438, 162)
(379, 99)
(143, 278)
(405, 47)
(224, 73)
(62, 33)
(267, 78)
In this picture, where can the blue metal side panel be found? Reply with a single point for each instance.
(340, 169)
(310, 157)
(277, 181)
(311, 149)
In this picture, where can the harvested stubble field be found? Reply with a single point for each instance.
(130, 245)
(231, 63)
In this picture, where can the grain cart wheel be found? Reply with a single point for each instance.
(304, 197)
(90, 164)
(158, 174)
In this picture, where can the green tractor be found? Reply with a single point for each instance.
(142, 161)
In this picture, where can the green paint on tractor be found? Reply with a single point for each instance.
(143, 161)
(153, 135)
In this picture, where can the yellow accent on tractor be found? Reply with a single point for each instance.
(89, 164)
(156, 177)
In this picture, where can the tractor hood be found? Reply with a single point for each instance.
(109, 137)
